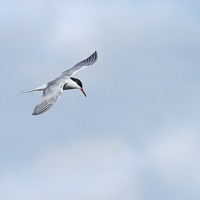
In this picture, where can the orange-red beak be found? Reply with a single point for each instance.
(83, 92)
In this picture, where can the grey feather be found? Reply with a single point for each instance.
(50, 96)
(81, 65)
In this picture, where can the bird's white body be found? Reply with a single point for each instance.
(53, 89)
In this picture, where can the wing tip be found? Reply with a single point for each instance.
(35, 113)
(95, 57)
(38, 113)
(42, 108)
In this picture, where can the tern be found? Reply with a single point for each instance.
(53, 89)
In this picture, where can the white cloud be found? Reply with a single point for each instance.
(174, 153)
(95, 168)
(171, 164)
(107, 167)
(100, 168)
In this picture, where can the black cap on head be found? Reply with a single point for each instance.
(77, 81)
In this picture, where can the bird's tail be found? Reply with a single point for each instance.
(41, 88)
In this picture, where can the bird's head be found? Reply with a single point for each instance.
(79, 84)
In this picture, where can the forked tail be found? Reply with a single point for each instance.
(41, 88)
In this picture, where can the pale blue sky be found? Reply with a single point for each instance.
(136, 135)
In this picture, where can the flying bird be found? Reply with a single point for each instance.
(53, 89)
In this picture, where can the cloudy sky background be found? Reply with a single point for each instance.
(136, 135)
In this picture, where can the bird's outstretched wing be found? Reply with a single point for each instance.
(50, 95)
(81, 65)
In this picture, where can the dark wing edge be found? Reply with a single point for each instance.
(88, 61)
(42, 107)
(82, 64)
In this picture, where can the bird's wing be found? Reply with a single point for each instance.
(50, 95)
(81, 65)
